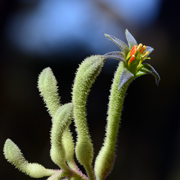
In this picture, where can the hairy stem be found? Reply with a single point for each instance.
(105, 159)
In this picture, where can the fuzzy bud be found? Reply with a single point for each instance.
(47, 85)
(13, 154)
(85, 77)
(61, 121)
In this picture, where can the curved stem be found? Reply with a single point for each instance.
(78, 175)
(114, 111)
(105, 159)
(90, 172)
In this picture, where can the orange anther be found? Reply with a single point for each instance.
(131, 59)
(133, 51)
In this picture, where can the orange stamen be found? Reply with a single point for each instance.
(142, 49)
(145, 54)
(133, 51)
(139, 47)
(131, 59)
(139, 64)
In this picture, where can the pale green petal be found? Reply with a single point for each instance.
(148, 69)
(122, 45)
(149, 49)
(114, 55)
(124, 77)
(130, 39)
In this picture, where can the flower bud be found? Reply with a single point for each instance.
(85, 77)
(14, 156)
(61, 121)
(47, 85)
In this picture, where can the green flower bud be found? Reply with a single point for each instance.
(47, 85)
(36, 170)
(85, 77)
(68, 144)
(14, 156)
(61, 121)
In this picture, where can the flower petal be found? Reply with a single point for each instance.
(130, 39)
(114, 55)
(150, 49)
(124, 77)
(122, 45)
(148, 69)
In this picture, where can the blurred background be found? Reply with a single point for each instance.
(35, 34)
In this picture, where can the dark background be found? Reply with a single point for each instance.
(149, 138)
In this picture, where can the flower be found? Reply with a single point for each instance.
(132, 55)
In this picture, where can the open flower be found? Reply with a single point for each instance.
(132, 56)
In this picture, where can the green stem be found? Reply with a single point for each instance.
(69, 174)
(114, 111)
(105, 159)
(78, 176)
(90, 172)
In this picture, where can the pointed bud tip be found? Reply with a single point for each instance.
(158, 80)
(106, 34)
(8, 144)
(46, 70)
(44, 73)
(8, 140)
(127, 31)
